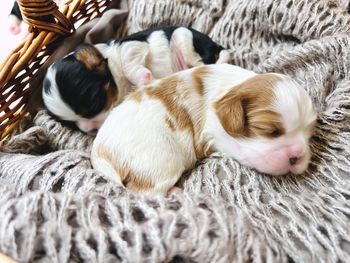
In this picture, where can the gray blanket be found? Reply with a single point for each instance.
(55, 208)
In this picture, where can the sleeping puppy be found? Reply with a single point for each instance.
(15, 19)
(85, 85)
(262, 120)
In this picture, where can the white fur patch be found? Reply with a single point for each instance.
(53, 100)
(294, 104)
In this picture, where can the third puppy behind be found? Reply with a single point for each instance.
(85, 85)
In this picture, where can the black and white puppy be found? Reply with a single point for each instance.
(15, 19)
(85, 85)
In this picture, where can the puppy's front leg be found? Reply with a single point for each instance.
(182, 50)
(134, 62)
(155, 186)
(100, 163)
(224, 57)
(173, 191)
(177, 58)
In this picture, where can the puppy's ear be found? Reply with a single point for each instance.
(91, 58)
(231, 113)
(247, 109)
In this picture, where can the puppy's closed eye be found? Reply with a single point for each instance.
(267, 124)
(275, 133)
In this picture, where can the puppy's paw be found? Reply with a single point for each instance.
(224, 57)
(143, 76)
(147, 77)
(173, 191)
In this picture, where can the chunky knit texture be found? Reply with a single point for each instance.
(55, 208)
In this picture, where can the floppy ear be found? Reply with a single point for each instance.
(246, 108)
(91, 58)
(231, 113)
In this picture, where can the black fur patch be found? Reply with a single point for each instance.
(205, 47)
(144, 35)
(80, 88)
(16, 11)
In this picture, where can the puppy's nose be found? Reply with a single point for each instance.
(92, 132)
(293, 160)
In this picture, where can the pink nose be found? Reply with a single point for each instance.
(90, 126)
(295, 153)
(97, 124)
(92, 132)
(293, 160)
(15, 29)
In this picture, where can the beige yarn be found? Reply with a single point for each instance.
(55, 208)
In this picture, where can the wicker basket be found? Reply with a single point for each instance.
(48, 26)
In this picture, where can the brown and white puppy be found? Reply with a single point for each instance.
(262, 120)
(84, 86)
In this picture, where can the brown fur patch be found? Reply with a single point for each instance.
(181, 120)
(136, 96)
(198, 76)
(203, 149)
(136, 184)
(127, 176)
(245, 111)
(170, 124)
(112, 95)
(92, 58)
(169, 96)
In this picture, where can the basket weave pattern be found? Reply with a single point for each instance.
(48, 26)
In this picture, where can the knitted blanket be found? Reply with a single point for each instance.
(55, 208)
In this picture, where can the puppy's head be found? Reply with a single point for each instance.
(80, 88)
(269, 120)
